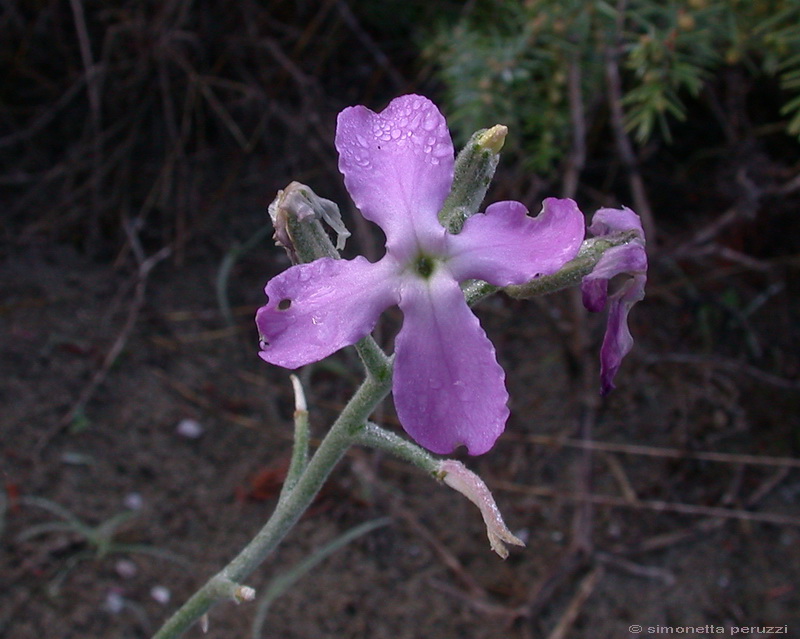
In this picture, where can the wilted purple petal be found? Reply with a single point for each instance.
(618, 341)
(506, 246)
(449, 389)
(318, 308)
(630, 259)
(595, 294)
(606, 221)
(398, 168)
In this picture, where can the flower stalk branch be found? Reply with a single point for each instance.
(448, 388)
(340, 437)
(375, 436)
(571, 274)
(299, 459)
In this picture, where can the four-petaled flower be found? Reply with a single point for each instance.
(448, 388)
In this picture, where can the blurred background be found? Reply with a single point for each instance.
(142, 440)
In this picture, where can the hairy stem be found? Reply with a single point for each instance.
(570, 274)
(344, 433)
(379, 438)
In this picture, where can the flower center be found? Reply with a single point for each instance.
(424, 266)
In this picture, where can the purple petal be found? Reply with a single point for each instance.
(606, 221)
(618, 340)
(398, 167)
(506, 246)
(449, 389)
(318, 308)
(628, 259)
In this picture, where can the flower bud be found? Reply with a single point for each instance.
(473, 172)
(297, 214)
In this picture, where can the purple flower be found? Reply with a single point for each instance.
(448, 388)
(629, 259)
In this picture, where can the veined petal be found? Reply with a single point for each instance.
(630, 259)
(318, 308)
(448, 387)
(398, 168)
(506, 246)
(606, 221)
(618, 341)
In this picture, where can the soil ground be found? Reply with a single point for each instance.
(428, 573)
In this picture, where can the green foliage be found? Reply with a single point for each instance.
(99, 540)
(509, 62)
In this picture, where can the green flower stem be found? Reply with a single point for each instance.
(344, 433)
(299, 460)
(376, 362)
(375, 436)
(570, 275)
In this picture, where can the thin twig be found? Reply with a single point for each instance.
(623, 143)
(705, 526)
(202, 401)
(650, 504)
(349, 18)
(656, 451)
(580, 355)
(93, 88)
(122, 338)
(570, 616)
(145, 267)
(567, 564)
(732, 365)
(577, 155)
(638, 570)
(618, 471)
(46, 117)
(397, 509)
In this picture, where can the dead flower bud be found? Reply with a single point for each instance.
(460, 478)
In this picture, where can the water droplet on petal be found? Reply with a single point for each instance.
(462, 391)
(430, 122)
(441, 149)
